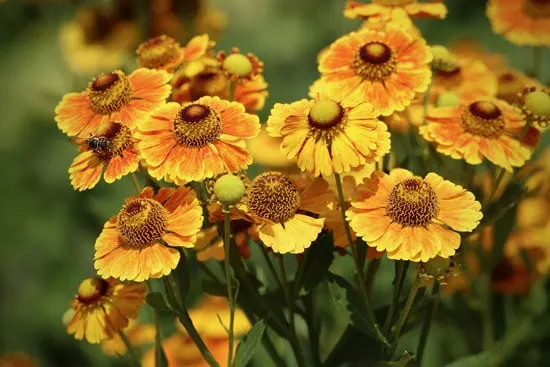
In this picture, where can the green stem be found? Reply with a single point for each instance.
(312, 328)
(270, 266)
(498, 180)
(358, 267)
(427, 323)
(407, 309)
(229, 282)
(232, 88)
(397, 287)
(294, 342)
(372, 269)
(300, 274)
(488, 336)
(135, 181)
(133, 355)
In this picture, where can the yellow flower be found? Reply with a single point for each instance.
(136, 333)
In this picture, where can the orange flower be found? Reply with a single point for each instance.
(113, 149)
(386, 68)
(141, 241)
(112, 97)
(512, 82)
(394, 10)
(103, 307)
(327, 135)
(266, 152)
(197, 140)
(522, 22)
(480, 129)
(136, 333)
(413, 218)
(238, 67)
(470, 48)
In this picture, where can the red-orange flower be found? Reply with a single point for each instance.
(141, 241)
(112, 97)
(480, 129)
(197, 140)
(394, 10)
(384, 67)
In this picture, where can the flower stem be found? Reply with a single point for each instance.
(270, 266)
(498, 180)
(131, 351)
(358, 267)
(397, 287)
(407, 309)
(427, 323)
(488, 337)
(232, 88)
(229, 282)
(372, 269)
(135, 181)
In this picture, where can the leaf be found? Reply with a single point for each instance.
(247, 347)
(315, 266)
(157, 301)
(402, 362)
(475, 360)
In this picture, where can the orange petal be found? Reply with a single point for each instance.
(121, 166)
(370, 225)
(450, 240)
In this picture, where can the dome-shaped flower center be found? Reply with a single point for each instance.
(393, 2)
(412, 202)
(274, 197)
(537, 8)
(142, 222)
(109, 92)
(325, 114)
(92, 289)
(374, 61)
(158, 52)
(210, 82)
(449, 79)
(229, 189)
(196, 125)
(238, 65)
(111, 140)
(483, 118)
(538, 103)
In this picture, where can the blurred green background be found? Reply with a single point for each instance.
(47, 229)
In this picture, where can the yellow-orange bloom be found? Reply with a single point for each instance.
(399, 11)
(110, 151)
(522, 22)
(141, 241)
(413, 218)
(266, 151)
(329, 136)
(103, 307)
(197, 140)
(480, 129)
(137, 334)
(384, 67)
(112, 97)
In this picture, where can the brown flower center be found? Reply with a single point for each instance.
(325, 114)
(158, 52)
(111, 142)
(374, 61)
(109, 92)
(537, 8)
(483, 118)
(210, 82)
(142, 222)
(509, 86)
(393, 2)
(196, 126)
(274, 197)
(92, 289)
(413, 202)
(449, 79)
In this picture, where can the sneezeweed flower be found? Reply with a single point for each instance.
(112, 97)
(137, 334)
(485, 128)
(238, 67)
(471, 48)
(384, 67)
(400, 11)
(141, 241)
(522, 22)
(413, 218)
(196, 140)
(511, 84)
(103, 307)
(328, 135)
(165, 53)
(266, 152)
(111, 152)
(535, 105)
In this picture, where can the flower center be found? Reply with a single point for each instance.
(413, 202)
(509, 86)
(449, 79)
(325, 114)
(393, 2)
(537, 8)
(538, 103)
(483, 118)
(209, 83)
(274, 197)
(237, 64)
(157, 52)
(374, 61)
(142, 222)
(109, 92)
(196, 126)
(111, 142)
(92, 289)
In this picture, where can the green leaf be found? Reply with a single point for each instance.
(157, 301)
(402, 362)
(315, 266)
(247, 347)
(475, 360)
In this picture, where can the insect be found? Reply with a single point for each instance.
(99, 144)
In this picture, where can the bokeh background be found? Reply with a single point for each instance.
(47, 230)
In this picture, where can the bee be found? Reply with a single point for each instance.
(99, 144)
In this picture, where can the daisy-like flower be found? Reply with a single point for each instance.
(413, 218)
(475, 130)
(103, 307)
(137, 334)
(266, 151)
(470, 48)
(112, 97)
(141, 241)
(327, 135)
(384, 67)
(400, 11)
(196, 140)
(111, 151)
(209, 243)
(535, 105)
(238, 67)
(522, 22)
(165, 53)
(512, 83)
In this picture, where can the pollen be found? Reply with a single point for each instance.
(142, 222)
(325, 114)
(158, 52)
(374, 61)
(196, 126)
(119, 138)
(238, 64)
(109, 92)
(92, 289)
(413, 202)
(483, 118)
(274, 197)
(229, 189)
